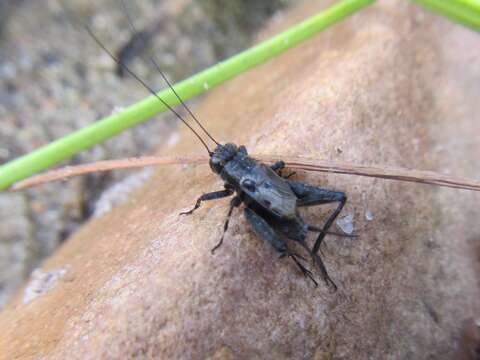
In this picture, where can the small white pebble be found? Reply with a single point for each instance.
(346, 224)
(369, 215)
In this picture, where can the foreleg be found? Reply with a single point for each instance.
(209, 196)
(236, 201)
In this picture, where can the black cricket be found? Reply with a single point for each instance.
(271, 199)
(271, 203)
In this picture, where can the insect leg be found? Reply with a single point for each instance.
(267, 233)
(236, 201)
(310, 195)
(318, 260)
(313, 228)
(209, 196)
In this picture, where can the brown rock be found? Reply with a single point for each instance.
(392, 85)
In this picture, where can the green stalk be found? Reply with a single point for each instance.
(465, 12)
(101, 130)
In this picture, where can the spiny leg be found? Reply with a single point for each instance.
(310, 195)
(303, 269)
(329, 223)
(208, 196)
(267, 233)
(317, 259)
(236, 201)
(313, 228)
(296, 230)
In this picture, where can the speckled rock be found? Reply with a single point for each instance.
(393, 85)
(14, 250)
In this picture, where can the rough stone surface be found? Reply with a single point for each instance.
(393, 85)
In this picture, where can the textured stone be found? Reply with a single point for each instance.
(393, 85)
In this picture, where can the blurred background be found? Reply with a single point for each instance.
(54, 79)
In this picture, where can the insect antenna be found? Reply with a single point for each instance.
(139, 79)
(155, 64)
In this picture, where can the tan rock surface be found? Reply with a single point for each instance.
(392, 85)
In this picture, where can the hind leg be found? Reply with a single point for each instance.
(318, 260)
(267, 233)
(297, 230)
(310, 196)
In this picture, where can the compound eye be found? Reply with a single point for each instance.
(248, 185)
(216, 164)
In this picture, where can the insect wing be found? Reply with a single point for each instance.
(270, 191)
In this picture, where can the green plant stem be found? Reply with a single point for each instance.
(465, 12)
(101, 130)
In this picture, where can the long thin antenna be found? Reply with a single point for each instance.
(127, 69)
(155, 63)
